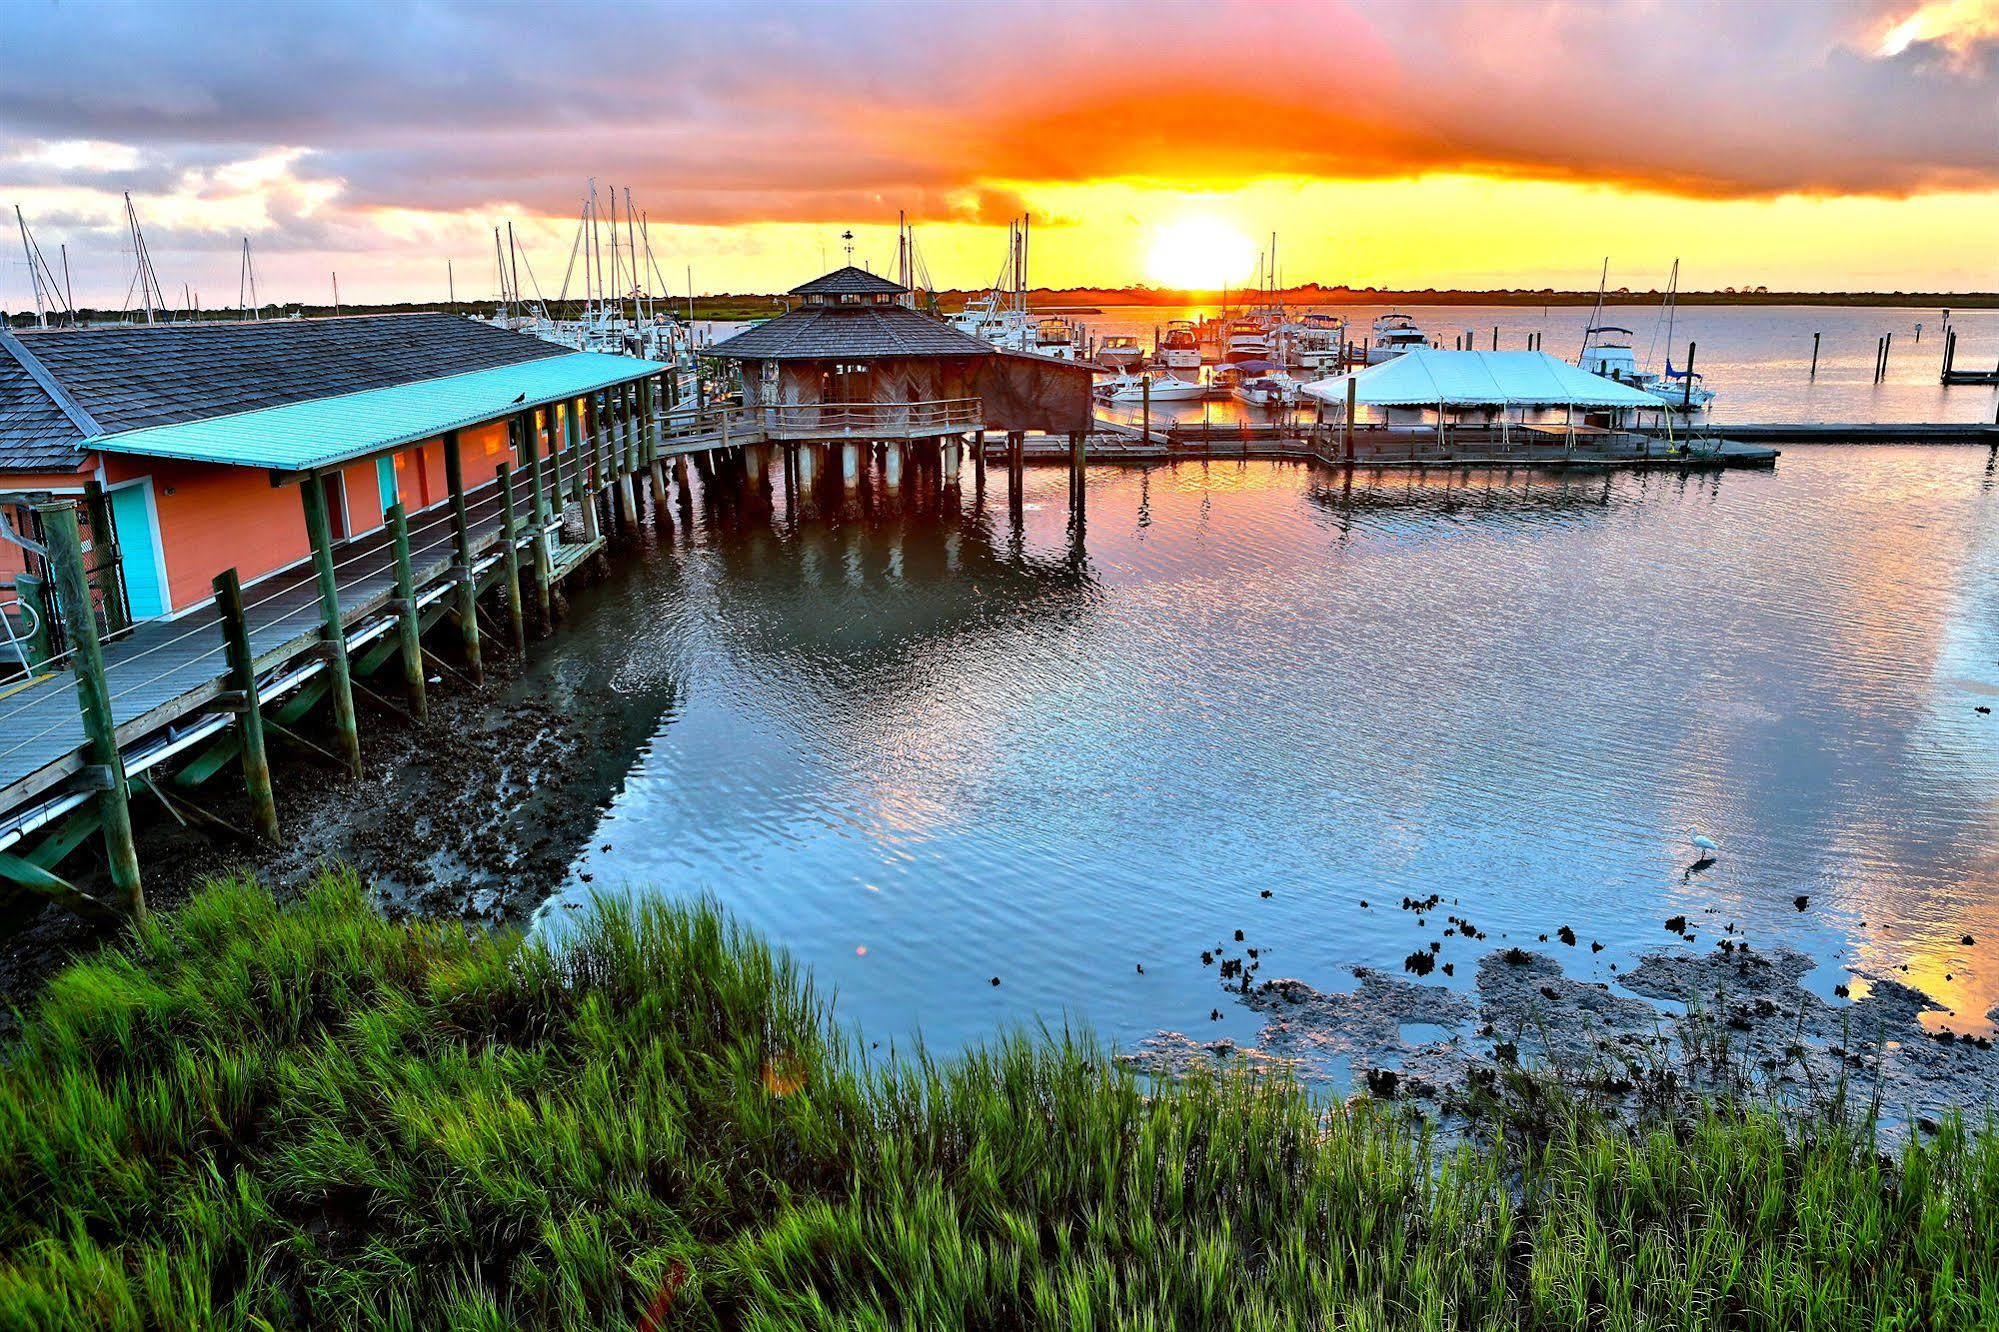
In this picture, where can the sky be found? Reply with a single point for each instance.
(1840, 144)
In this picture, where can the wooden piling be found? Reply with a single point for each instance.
(662, 513)
(334, 633)
(104, 551)
(1687, 394)
(409, 623)
(582, 488)
(1346, 426)
(1815, 357)
(114, 802)
(626, 451)
(468, 585)
(510, 560)
(249, 706)
(543, 567)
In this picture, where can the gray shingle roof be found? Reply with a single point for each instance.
(849, 281)
(36, 435)
(827, 332)
(129, 377)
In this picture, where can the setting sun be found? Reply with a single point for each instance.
(1199, 253)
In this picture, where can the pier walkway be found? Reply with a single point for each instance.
(165, 675)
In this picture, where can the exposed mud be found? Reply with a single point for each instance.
(476, 814)
(1729, 1021)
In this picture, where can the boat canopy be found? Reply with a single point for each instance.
(1426, 377)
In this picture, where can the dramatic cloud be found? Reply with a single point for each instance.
(820, 112)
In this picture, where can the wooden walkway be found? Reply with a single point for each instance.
(164, 670)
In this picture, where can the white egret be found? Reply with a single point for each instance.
(1702, 843)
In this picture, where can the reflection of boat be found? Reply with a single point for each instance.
(1180, 347)
(1165, 388)
(1394, 333)
(1120, 352)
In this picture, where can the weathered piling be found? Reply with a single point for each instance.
(510, 561)
(1814, 374)
(409, 622)
(246, 703)
(114, 801)
(339, 674)
(468, 585)
(542, 570)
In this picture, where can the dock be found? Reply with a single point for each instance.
(1380, 446)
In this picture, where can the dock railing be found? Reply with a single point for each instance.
(872, 420)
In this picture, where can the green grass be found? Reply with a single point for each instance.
(266, 1116)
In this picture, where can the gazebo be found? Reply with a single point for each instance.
(854, 365)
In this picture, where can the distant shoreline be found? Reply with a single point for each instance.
(1087, 300)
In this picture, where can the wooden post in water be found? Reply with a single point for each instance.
(312, 492)
(1145, 410)
(1687, 396)
(510, 560)
(625, 448)
(409, 624)
(468, 585)
(249, 707)
(1887, 347)
(979, 462)
(543, 571)
(1346, 426)
(662, 511)
(1076, 448)
(100, 730)
(1815, 357)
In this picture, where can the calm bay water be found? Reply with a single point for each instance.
(1756, 359)
(922, 749)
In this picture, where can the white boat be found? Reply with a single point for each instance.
(1165, 388)
(1394, 333)
(1316, 342)
(1271, 389)
(1119, 352)
(1180, 346)
(1245, 340)
(1607, 352)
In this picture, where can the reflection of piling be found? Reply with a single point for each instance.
(1016, 446)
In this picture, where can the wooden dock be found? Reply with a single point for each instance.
(1373, 446)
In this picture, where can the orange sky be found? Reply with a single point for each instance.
(1849, 144)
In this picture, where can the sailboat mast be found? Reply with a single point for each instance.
(632, 246)
(34, 274)
(1596, 312)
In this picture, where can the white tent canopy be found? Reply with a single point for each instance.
(1425, 377)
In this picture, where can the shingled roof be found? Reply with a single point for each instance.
(829, 332)
(126, 377)
(849, 281)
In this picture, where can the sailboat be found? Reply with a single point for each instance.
(1607, 351)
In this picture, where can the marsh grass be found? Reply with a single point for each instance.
(265, 1116)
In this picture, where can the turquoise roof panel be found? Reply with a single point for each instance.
(324, 432)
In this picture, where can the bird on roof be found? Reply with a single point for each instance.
(521, 397)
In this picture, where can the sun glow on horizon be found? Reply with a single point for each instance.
(1199, 253)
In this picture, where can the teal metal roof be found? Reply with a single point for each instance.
(299, 436)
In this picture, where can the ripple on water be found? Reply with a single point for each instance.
(970, 752)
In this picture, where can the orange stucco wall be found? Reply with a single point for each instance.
(213, 517)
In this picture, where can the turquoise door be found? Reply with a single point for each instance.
(139, 550)
(385, 479)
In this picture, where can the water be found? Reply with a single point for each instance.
(1757, 359)
(923, 749)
